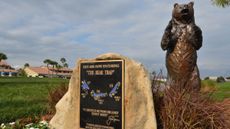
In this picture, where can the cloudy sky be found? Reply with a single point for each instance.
(34, 30)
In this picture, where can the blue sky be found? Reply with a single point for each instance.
(34, 30)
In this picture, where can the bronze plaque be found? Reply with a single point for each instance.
(102, 94)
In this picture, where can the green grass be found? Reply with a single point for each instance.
(223, 91)
(28, 97)
(25, 97)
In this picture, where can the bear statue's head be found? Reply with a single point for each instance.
(183, 13)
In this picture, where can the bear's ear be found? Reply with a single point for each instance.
(176, 4)
(191, 3)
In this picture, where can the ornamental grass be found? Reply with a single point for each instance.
(185, 108)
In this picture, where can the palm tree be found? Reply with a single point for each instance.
(63, 61)
(221, 3)
(3, 57)
(54, 64)
(47, 62)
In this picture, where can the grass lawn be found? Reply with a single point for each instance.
(223, 91)
(25, 97)
(28, 97)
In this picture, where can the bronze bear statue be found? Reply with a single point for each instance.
(182, 38)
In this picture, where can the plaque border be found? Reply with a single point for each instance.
(123, 85)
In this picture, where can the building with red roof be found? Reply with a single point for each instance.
(6, 69)
(48, 72)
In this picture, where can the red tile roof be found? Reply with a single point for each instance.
(45, 70)
(3, 63)
(62, 69)
(6, 67)
(40, 70)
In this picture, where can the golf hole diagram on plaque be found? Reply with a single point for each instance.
(102, 94)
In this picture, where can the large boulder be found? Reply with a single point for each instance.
(139, 108)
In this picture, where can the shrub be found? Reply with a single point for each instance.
(184, 108)
(206, 78)
(55, 95)
(220, 79)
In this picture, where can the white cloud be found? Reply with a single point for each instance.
(32, 31)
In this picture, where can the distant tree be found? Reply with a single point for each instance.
(58, 66)
(53, 63)
(221, 3)
(66, 65)
(47, 62)
(63, 61)
(206, 78)
(26, 65)
(3, 57)
(220, 79)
